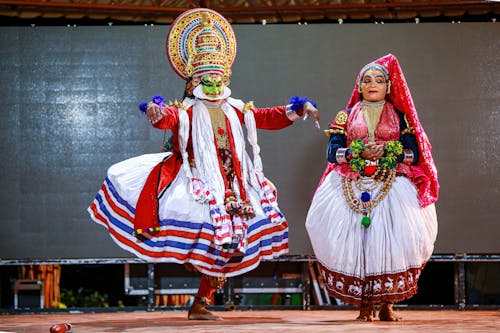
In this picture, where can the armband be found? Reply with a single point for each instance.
(332, 131)
(408, 156)
(341, 155)
(290, 113)
(408, 129)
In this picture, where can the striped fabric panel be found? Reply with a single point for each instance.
(184, 241)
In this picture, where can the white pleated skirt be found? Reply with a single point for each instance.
(372, 264)
(186, 232)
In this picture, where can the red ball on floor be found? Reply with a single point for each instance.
(60, 328)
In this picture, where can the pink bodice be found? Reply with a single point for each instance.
(387, 128)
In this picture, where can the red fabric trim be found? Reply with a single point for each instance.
(123, 213)
(183, 234)
(265, 232)
(206, 289)
(119, 237)
(272, 118)
(387, 287)
(236, 162)
(170, 119)
(251, 262)
(221, 167)
(146, 213)
(336, 124)
(421, 181)
(190, 256)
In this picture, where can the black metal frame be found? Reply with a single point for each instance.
(459, 281)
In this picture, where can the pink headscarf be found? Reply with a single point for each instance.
(426, 182)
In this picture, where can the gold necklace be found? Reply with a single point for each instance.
(366, 203)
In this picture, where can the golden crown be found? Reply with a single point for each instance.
(201, 41)
(206, 56)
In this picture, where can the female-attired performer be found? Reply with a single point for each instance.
(206, 204)
(372, 221)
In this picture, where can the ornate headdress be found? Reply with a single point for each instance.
(201, 41)
(400, 97)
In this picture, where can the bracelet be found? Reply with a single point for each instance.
(408, 156)
(341, 155)
(290, 113)
(157, 99)
(298, 102)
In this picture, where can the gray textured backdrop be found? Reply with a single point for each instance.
(68, 110)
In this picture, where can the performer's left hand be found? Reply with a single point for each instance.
(310, 110)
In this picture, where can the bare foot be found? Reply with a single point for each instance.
(366, 313)
(198, 310)
(387, 313)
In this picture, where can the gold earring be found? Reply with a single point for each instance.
(388, 87)
(359, 88)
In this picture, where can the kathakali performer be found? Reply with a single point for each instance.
(372, 221)
(207, 203)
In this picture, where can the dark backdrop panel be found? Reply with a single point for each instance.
(68, 110)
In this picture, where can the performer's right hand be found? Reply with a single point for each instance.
(310, 110)
(373, 152)
(154, 112)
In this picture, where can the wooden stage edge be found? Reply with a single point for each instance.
(282, 321)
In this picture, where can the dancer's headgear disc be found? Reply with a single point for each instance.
(201, 41)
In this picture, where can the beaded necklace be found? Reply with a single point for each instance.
(367, 202)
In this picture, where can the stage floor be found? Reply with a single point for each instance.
(285, 321)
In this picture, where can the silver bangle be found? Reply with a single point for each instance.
(291, 114)
(408, 156)
(340, 155)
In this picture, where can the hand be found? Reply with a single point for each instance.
(154, 113)
(310, 110)
(373, 152)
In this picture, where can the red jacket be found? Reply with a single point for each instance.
(146, 214)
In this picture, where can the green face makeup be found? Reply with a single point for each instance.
(212, 86)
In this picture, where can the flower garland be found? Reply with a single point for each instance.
(357, 163)
(389, 161)
(392, 150)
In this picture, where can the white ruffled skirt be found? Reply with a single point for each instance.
(186, 232)
(381, 262)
